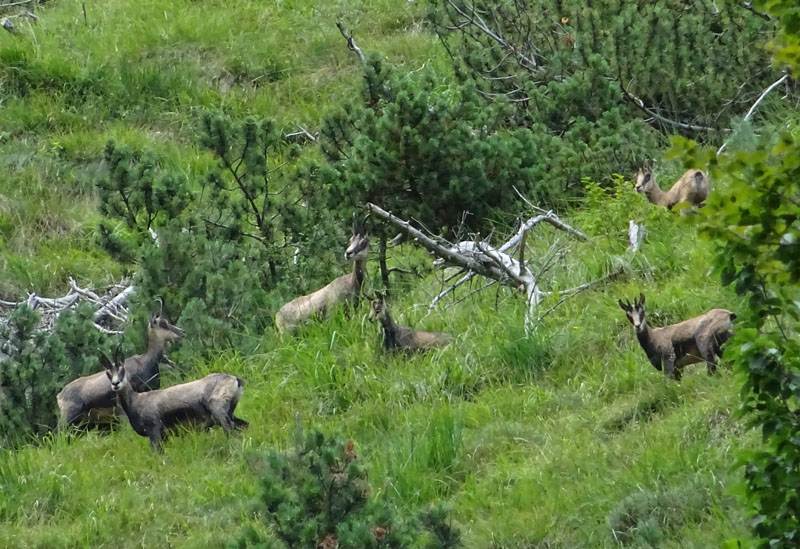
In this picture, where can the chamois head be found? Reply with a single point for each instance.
(377, 308)
(115, 370)
(635, 312)
(644, 180)
(160, 329)
(358, 247)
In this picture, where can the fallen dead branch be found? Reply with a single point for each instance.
(477, 257)
(351, 43)
(110, 317)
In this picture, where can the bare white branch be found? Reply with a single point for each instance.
(635, 235)
(479, 257)
(761, 97)
(111, 305)
(302, 131)
(351, 43)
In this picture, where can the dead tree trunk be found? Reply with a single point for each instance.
(382, 261)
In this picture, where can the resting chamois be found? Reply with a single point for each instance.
(344, 289)
(695, 340)
(209, 400)
(404, 338)
(93, 393)
(693, 187)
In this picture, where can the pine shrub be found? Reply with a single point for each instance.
(318, 496)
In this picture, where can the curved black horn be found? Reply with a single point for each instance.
(105, 361)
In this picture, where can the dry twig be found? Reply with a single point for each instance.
(351, 43)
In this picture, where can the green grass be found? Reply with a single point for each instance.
(563, 438)
(142, 72)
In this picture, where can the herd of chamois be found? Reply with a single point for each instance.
(133, 384)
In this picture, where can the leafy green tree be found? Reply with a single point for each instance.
(426, 151)
(754, 216)
(598, 82)
(317, 496)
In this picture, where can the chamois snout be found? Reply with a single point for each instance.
(161, 328)
(635, 312)
(643, 177)
(116, 375)
(357, 248)
(375, 309)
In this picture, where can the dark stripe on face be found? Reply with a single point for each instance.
(363, 243)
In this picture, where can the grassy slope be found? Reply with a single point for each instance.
(545, 441)
(538, 442)
(139, 71)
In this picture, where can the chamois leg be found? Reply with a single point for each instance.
(669, 369)
(708, 351)
(221, 416)
(156, 436)
(69, 416)
(238, 423)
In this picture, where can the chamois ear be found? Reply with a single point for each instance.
(623, 306)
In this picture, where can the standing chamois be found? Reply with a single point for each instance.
(93, 393)
(404, 338)
(693, 187)
(209, 400)
(344, 289)
(695, 340)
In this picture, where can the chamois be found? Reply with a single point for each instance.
(210, 400)
(693, 187)
(695, 340)
(93, 393)
(404, 338)
(344, 289)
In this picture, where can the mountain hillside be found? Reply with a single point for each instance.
(559, 435)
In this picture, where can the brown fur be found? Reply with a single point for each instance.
(80, 396)
(693, 187)
(344, 289)
(209, 400)
(404, 338)
(695, 340)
